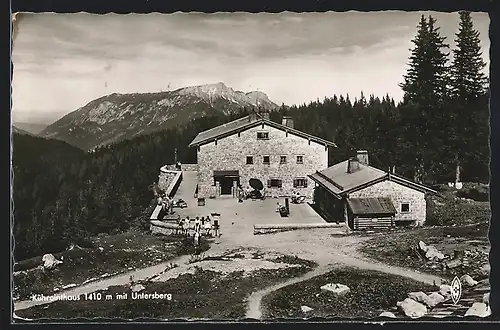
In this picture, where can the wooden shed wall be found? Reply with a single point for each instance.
(373, 222)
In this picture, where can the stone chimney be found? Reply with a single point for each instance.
(287, 121)
(252, 117)
(352, 165)
(362, 157)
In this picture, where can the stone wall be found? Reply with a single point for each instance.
(399, 194)
(230, 153)
(189, 167)
(165, 179)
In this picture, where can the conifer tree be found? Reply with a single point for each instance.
(468, 79)
(469, 85)
(426, 80)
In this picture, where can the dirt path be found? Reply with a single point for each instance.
(255, 299)
(121, 279)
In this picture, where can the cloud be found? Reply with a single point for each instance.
(63, 61)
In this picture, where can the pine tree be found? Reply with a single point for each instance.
(426, 80)
(468, 79)
(469, 85)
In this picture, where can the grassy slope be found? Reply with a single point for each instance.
(204, 294)
(131, 249)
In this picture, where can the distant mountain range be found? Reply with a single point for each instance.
(120, 116)
(16, 129)
(29, 127)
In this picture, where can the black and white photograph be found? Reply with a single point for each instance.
(251, 166)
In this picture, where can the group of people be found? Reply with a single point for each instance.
(201, 226)
(166, 202)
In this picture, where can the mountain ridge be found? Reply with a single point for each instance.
(116, 116)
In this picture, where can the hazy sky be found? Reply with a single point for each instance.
(63, 61)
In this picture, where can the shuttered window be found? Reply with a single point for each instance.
(300, 183)
(274, 183)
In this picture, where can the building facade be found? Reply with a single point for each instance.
(353, 179)
(254, 147)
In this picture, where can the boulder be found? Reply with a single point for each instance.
(101, 249)
(411, 308)
(430, 252)
(445, 291)
(338, 289)
(50, 262)
(486, 298)
(420, 297)
(137, 287)
(453, 263)
(305, 309)
(467, 280)
(433, 254)
(422, 246)
(479, 309)
(387, 314)
(435, 299)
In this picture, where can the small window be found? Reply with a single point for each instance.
(262, 135)
(265, 160)
(274, 183)
(249, 160)
(405, 207)
(282, 159)
(300, 159)
(300, 183)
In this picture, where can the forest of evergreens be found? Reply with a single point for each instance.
(440, 131)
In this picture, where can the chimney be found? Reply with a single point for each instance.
(287, 121)
(352, 165)
(252, 117)
(362, 156)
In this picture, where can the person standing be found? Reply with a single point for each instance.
(197, 224)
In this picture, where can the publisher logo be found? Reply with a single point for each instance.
(456, 290)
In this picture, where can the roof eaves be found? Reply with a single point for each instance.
(411, 184)
(336, 195)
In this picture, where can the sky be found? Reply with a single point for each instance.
(63, 61)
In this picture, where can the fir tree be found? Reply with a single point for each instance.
(426, 80)
(469, 85)
(468, 79)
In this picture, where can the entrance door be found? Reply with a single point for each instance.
(226, 181)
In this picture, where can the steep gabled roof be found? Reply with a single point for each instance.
(339, 182)
(366, 206)
(247, 122)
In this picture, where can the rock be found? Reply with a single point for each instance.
(435, 299)
(486, 298)
(422, 246)
(419, 297)
(101, 249)
(305, 309)
(458, 254)
(453, 263)
(466, 280)
(411, 308)
(387, 314)
(433, 254)
(479, 309)
(485, 269)
(137, 287)
(50, 262)
(338, 289)
(445, 291)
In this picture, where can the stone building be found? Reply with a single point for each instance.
(254, 147)
(361, 195)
